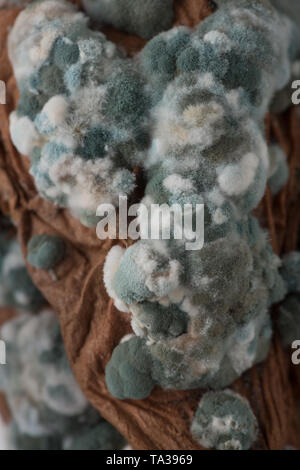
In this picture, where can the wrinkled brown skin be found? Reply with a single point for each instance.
(91, 325)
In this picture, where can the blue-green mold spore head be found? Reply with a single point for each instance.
(279, 170)
(145, 18)
(224, 421)
(45, 251)
(126, 101)
(128, 373)
(17, 288)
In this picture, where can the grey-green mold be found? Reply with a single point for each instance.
(45, 251)
(290, 271)
(16, 287)
(49, 411)
(208, 146)
(128, 374)
(224, 421)
(191, 114)
(70, 119)
(145, 18)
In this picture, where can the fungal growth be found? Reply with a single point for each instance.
(145, 18)
(202, 317)
(224, 421)
(189, 110)
(45, 251)
(288, 319)
(48, 408)
(279, 171)
(16, 287)
(76, 87)
(290, 8)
